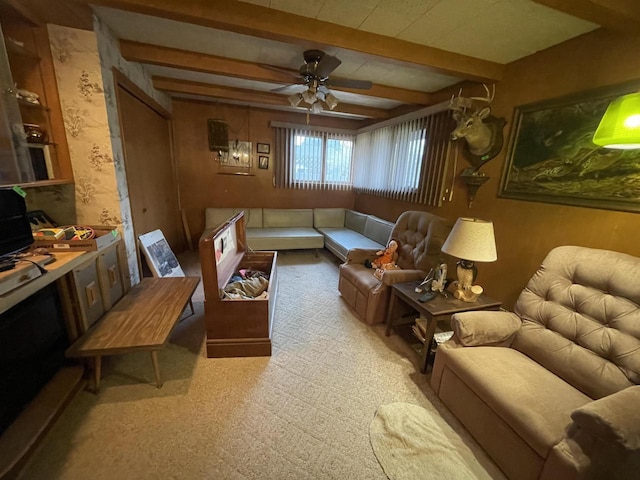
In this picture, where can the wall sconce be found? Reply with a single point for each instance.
(234, 157)
(474, 180)
(620, 125)
(235, 153)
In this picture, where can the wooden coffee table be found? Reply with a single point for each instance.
(435, 310)
(142, 320)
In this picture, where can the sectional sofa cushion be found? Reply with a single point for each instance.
(328, 217)
(340, 240)
(377, 229)
(287, 217)
(217, 216)
(291, 238)
(355, 221)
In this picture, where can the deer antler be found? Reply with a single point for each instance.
(489, 97)
(459, 103)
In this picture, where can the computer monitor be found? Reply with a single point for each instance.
(15, 230)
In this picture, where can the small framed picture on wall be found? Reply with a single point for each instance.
(263, 162)
(264, 148)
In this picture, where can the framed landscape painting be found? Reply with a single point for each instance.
(552, 158)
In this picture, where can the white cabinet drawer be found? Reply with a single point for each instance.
(88, 292)
(110, 278)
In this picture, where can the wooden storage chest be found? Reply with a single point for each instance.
(235, 327)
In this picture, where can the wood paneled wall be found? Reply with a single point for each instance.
(201, 183)
(526, 231)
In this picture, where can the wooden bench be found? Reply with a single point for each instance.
(142, 320)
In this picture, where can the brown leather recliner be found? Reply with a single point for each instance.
(420, 235)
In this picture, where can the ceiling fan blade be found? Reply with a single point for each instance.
(293, 73)
(349, 83)
(326, 65)
(279, 89)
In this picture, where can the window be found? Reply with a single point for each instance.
(307, 158)
(406, 160)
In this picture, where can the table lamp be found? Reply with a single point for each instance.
(471, 240)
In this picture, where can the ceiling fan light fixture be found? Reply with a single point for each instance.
(295, 99)
(316, 107)
(309, 96)
(331, 100)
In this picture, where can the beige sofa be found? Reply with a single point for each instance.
(345, 229)
(338, 229)
(272, 228)
(551, 391)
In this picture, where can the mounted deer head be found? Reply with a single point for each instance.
(481, 130)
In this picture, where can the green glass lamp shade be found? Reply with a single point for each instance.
(620, 125)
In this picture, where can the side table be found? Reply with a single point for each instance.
(435, 310)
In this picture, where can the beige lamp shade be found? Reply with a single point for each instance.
(472, 239)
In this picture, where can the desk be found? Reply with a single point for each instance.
(142, 320)
(435, 310)
(63, 264)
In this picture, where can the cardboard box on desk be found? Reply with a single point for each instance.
(105, 236)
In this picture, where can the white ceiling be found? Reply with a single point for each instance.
(500, 31)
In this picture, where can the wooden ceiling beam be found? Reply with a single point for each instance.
(616, 15)
(173, 85)
(201, 62)
(61, 12)
(263, 22)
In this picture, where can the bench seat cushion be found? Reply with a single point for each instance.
(290, 238)
(340, 240)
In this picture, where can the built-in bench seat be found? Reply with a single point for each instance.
(337, 229)
(344, 229)
(272, 228)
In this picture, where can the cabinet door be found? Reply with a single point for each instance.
(110, 277)
(15, 162)
(89, 297)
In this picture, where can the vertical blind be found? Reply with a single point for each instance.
(406, 161)
(313, 159)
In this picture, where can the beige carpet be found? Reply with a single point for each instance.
(303, 413)
(412, 443)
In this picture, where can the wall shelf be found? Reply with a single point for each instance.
(14, 49)
(46, 183)
(36, 106)
(28, 55)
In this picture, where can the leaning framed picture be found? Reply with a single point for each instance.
(160, 258)
(264, 148)
(551, 157)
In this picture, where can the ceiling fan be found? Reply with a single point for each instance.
(314, 73)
